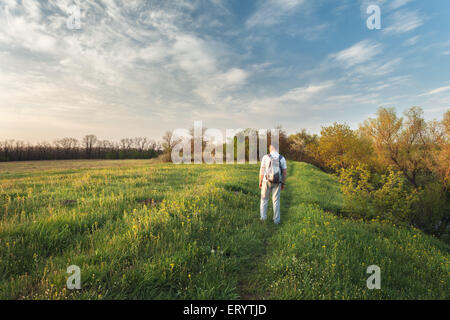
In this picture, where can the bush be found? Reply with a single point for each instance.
(165, 157)
(431, 213)
(394, 200)
(390, 197)
(384, 197)
(341, 147)
(357, 190)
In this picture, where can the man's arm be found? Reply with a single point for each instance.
(261, 172)
(284, 172)
(284, 178)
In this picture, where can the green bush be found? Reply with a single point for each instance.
(431, 213)
(357, 189)
(385, 197)
(390, 197)
(394, 200)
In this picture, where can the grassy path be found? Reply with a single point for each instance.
(248, 282)
(317, 255)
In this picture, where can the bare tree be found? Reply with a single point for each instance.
(168, 143)
(89, 142)
(126, 143)
(141, 143)
(66, 143)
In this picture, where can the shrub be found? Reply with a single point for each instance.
(390, 197)
(357, 190)
(384, 197)
(431, 213)
(394, 200)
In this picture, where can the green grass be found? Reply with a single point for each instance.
(201, 238)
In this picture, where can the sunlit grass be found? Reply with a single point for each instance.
(318, 255)
(140, 230)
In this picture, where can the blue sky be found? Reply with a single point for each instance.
(139, 68)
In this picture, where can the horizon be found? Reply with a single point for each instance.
(142, 68)
(182, 132)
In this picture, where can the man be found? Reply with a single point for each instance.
(272, 177)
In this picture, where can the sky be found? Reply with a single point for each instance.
(140, 68)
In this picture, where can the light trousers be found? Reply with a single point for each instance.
(266, 189)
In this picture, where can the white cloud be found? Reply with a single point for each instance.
(403, 21)
(289, 102)
(412, 41)
(391, 82)
(131, 61)
(395, 4)
(143, 67)
(271, 12)
(360, 52)
(216, 89)
(26, 30)
(304, 93)
(435, 91)
(378, 68)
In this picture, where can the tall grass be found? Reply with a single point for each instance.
(161, 231)
(317, 255)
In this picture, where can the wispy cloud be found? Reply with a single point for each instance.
(403, 21)
(395, 4)
(412, 41)
(135, 59)
(314, 32)
(271, 12)
(304, 93)
(291, 101)
(435, 91)
(360, 52)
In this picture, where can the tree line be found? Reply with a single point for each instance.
(89, 147)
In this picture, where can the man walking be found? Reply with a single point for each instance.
(272, 177)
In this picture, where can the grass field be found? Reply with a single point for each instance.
(140, 230)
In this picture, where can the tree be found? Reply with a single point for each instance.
(68, 147)
(89, 142)
(66, 143)
(439, 157)
(168, 143)
(341, 147)
(126, 143)
(301, 146)
(141, 143)
(407, 144)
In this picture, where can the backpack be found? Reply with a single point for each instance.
(274, 172)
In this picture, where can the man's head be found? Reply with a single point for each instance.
(272, 148)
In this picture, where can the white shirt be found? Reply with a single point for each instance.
(266, 161)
